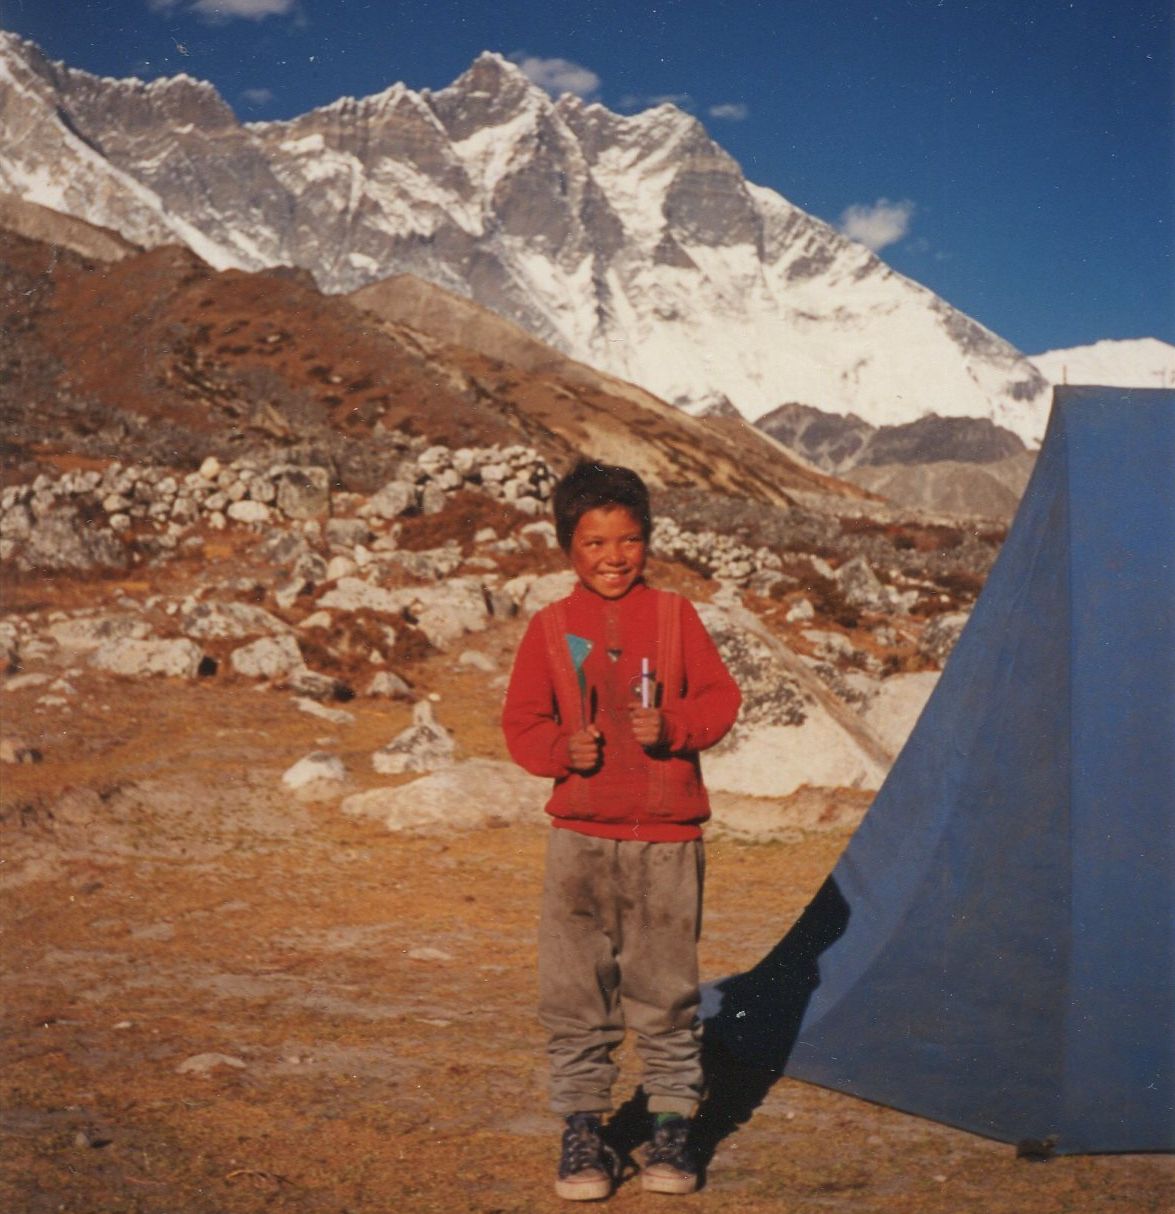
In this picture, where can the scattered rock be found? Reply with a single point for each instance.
(388, 683)
(423, 953)
(474, 659)
(336, 716)
(174, 658)
(423, 746)
(313, 769)
(228, 620)
(268, 658)
(84, 633)
(465, 796)
(205, 1065)
(16, 750)
(33, 678)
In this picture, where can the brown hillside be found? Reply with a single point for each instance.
(734, 457)
(157, 355)
(66, 231)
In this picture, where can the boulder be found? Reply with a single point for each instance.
(347, 532)
(860, 585)
(791, 730)
(174, 658)
(388, 683)
(423, 746)
(395, 498)
(248, 511)
(470, 795)
(85, 633)
(228, 620)
(354, 594)
(310, 683)
(534, 593)
(301, 492)
(314, 768)
(447, 612)
(268, 658)
(893, 709)
(433, 563)
(62, 540)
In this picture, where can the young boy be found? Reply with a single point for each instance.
(614, 691)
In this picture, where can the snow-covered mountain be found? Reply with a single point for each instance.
(631, 243)
(1140, 363)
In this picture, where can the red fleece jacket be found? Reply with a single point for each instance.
(653, 795)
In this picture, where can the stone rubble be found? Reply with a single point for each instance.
(313, 768)
(80, 519)
(337, 576)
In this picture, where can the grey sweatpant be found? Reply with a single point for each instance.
(618, 940)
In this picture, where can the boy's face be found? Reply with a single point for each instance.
(608, 551)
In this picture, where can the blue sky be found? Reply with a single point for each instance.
(1015, 156)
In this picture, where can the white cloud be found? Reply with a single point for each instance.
(257, 96)
(226, 10)
(883, 223)
(734, 110)
(558, 76)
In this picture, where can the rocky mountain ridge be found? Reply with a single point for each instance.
(839, 444)
(634, 244)
(947, 465)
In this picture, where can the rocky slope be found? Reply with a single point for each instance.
(634, 244)
(951, 487)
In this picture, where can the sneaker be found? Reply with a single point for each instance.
(670, 1166)
(587, 1167)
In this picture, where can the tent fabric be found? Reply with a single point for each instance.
(995, 948)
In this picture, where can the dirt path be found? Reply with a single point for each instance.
(374, 996)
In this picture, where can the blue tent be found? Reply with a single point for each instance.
(996, 947)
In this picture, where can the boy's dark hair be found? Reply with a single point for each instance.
(588, 486)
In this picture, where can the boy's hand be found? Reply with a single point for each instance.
(584, 746)
(648, 725)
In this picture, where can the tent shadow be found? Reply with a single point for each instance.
(752, 1020)
(751, 1023)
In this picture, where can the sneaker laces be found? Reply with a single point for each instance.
(583, 1148)
(670, 1146)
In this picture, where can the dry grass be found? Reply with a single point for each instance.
(199, 910)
